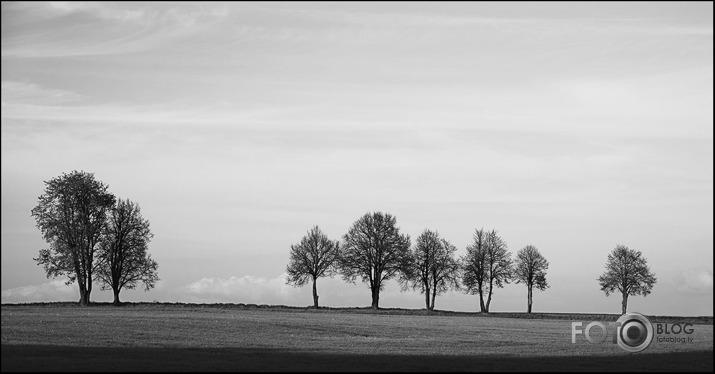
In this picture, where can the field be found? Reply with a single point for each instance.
(182, 337)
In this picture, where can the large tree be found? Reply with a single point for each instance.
(314, 257)
(433, 268)
(71, 215)
(627, 272)
(530, 268)
(375, 251)
(123, 260)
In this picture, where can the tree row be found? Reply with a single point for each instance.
(95, 237)
(374, 251)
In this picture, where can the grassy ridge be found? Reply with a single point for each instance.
(702, 320)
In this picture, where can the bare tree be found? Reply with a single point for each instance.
(627, 272)
(487, 265)
(433, 268)
(314, 257)
(445, 273)
(530, 269)
(474, 268)
(71, 215)
(375, 251)
(122, 257)
(498, 260)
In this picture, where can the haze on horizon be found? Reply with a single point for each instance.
(573, 127)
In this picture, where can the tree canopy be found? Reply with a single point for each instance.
(122, 256)
(486, 266)
(71, 215)
(433, 269)
(627, 272)
(374, 251)
(314, 257)
(530, 268)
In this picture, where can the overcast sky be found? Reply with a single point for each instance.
(574, 127)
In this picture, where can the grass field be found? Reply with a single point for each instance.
(166, 337)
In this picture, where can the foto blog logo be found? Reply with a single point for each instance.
(633, 332)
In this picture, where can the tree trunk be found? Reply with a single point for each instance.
(489, 299)
(482, 308)
(624, 303)
(427, 299)
(83, 297)
(116, 297)
(375, 296)
(434, 296)
(315, 293)
(83, 294)
(89, 286)
(528, 309)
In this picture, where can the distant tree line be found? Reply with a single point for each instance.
(93, 236)
(375, 251)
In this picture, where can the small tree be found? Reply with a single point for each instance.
(314, 257)
(433, 268)
(71, 215)
(123, 259)
(375, 251)
(627, 272)
(530, 269)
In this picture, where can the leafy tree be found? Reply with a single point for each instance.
(71, 215)
(530, 269)
(375, 251)
(434, 269)
(627, 272)
(314, 257)
(122, 258)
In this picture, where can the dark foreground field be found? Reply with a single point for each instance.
(58, 358)
(196, 338)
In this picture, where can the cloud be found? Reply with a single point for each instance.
(95, 28)
(137, 13)
(55, 290)
(378, 25)
(63, 8)
(695, 281)
(247, 289)
(31, 93)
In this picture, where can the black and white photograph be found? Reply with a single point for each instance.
(336, 186)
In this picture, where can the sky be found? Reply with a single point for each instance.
(236, 127)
